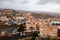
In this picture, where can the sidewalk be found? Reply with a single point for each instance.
(28, 38)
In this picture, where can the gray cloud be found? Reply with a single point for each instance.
(48, 1)
(6, 0)
(43, 2)
(24, 2)
(41, 5)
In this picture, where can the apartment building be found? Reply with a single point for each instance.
(44, 26)
(49, 30)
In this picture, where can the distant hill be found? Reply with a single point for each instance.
(38, 14)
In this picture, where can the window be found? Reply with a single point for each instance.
(55, 23)
(22, 20)
(10, 21)
(28, 23)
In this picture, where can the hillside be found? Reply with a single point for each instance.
(35, 14)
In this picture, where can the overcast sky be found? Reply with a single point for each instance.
(32, 5)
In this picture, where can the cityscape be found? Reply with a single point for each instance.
(10, 21)
(29, 19)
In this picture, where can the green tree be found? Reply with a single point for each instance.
(37, 27)
(21, 28)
